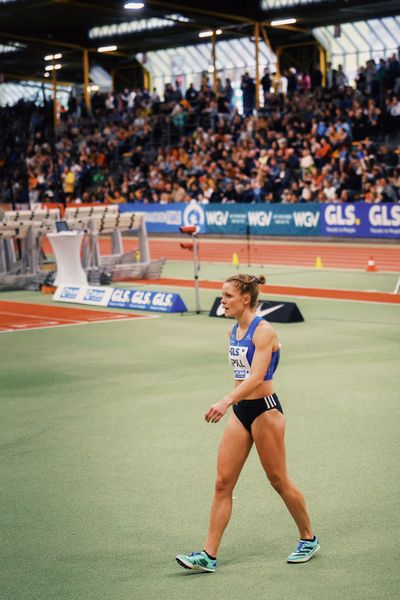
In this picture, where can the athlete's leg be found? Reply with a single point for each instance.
(268, 431)
(233, 451)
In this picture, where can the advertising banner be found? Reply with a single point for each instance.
(276, 312)
(263, 219)
(234, 219)
(145, 300)
(345, 220)
(167, 218)
(361, 220)
(84, 294)
(120, 298)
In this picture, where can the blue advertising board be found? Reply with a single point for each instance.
(263, 219)
(167, 218)
(120, 298)
(313, 219)
(236, 219)
(145, 300)
(361, 220)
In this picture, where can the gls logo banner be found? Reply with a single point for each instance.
(146, 300)
(361, 220)
(384, 215)
(121, 298)
(337, 214)
(276, 312)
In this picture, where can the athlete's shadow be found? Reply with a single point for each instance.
(188, 573)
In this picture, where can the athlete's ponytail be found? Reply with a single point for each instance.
(248, 284)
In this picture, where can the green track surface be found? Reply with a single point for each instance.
(292, 276)
(107, 465)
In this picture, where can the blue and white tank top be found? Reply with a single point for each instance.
(241, 353)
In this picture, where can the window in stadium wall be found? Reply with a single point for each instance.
(135, 26)
(31, 91)
(190, 64)
(359, 42)
(14, 47)
(270, 4)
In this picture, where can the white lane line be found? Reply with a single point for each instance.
(78, 321)
(13, 314)
(35, 328)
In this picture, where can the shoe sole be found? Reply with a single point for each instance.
(188, 565)
(306, 558)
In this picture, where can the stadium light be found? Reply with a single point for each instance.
(53, 56)
(133, 5)
(53, 67)
(283, 22)
(204, 34)
(107, 48)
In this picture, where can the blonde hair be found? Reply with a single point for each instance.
(248, 284)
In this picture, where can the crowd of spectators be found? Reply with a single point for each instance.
(307, 143)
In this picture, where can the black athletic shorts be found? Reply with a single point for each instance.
(248, 410)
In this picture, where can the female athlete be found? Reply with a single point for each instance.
(256, 417)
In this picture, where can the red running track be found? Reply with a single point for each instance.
(333, 255)
(20, 316)
(341, 256)
(285, 290)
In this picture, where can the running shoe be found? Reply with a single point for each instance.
(197, 561)
(304, 551)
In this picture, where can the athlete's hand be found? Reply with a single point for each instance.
(216, 412)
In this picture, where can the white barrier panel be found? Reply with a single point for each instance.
(84, 294)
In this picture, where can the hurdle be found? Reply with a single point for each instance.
(21, 234)
(98, 222)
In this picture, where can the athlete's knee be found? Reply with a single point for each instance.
(224, 484)
(278, 481)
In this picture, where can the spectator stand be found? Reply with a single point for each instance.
(102, 222)
(21, 256)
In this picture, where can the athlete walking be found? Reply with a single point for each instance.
(256, 417)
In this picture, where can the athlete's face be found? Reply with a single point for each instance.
(233, 301)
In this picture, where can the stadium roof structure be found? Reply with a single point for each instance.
(32, 29)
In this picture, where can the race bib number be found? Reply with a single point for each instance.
(239, 362)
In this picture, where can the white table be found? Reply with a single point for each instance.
(67, 250)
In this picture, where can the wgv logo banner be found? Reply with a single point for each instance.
(263, 219)
(303, 219)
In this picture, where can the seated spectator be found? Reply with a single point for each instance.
(324, 146)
